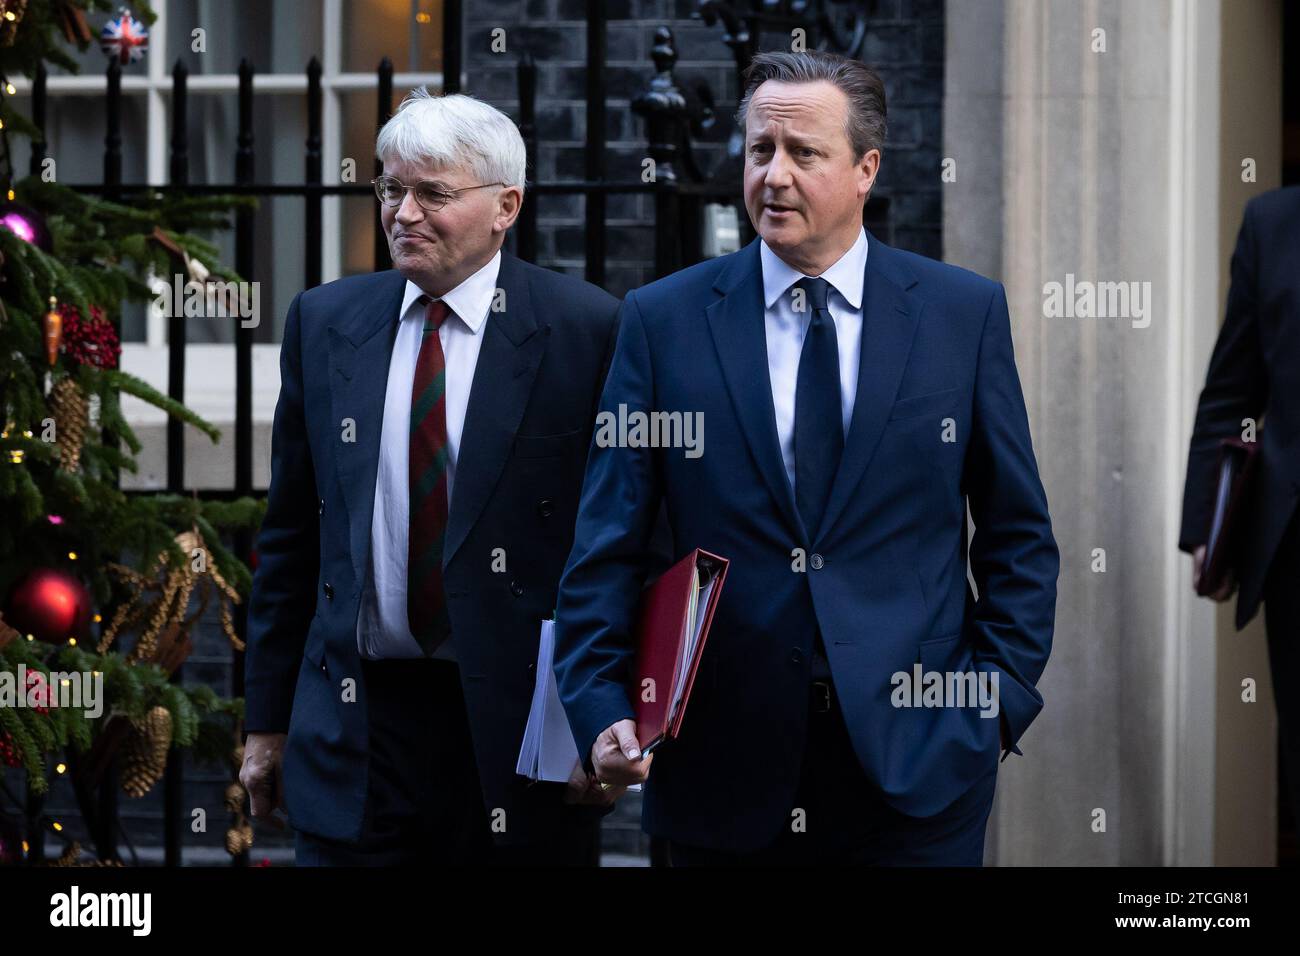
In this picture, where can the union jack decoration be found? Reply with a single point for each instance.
(124, 37)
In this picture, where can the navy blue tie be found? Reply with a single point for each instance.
(818, 418)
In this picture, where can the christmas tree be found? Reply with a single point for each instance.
(96, 584)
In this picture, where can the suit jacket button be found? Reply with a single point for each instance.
(796, 656)
(322, 506)
(516, 588)
(816, 561)
(545, 507)
(329, 591)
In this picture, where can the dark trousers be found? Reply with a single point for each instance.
(847, 822)
(424, 804)
(1282, 622)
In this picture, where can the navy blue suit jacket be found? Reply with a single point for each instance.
(518, 478)
(885, 577)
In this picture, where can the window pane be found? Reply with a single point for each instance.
(75, 126)
(409, 32)
(358, 223)
(277, 37)
(279, 138)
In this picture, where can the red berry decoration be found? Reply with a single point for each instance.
(9, 751)
(89, 341)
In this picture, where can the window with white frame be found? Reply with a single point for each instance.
(278, 38)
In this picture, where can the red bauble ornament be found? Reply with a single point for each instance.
(49, 604)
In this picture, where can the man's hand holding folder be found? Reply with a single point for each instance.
(616, 756)
(1225, 591)
(672, 627)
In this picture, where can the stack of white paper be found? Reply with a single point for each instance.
(548, 751)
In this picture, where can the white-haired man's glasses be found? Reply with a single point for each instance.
(429, 194)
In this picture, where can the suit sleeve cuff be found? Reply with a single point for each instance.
(1018, 706)
(1013, 749)
(266, 708)
(591, 719)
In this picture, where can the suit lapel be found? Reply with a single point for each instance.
(508, 360)
(739, 332)
(889, 319)
(360, 346)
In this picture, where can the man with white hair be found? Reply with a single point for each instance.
(427, 459)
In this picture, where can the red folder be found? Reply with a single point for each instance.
(1223, 540)
(672, 627)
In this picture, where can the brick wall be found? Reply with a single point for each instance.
(905, 42)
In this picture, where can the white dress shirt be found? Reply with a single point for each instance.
(786, 329)
(383, 630)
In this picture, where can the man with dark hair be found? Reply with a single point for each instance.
(857, 400)
(1254, 374)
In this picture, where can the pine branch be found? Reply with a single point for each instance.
(111, 418)
(145, 392)
(31, 756)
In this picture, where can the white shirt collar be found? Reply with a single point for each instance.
(845, 276)
(470, 300)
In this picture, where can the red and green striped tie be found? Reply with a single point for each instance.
(426, 604)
